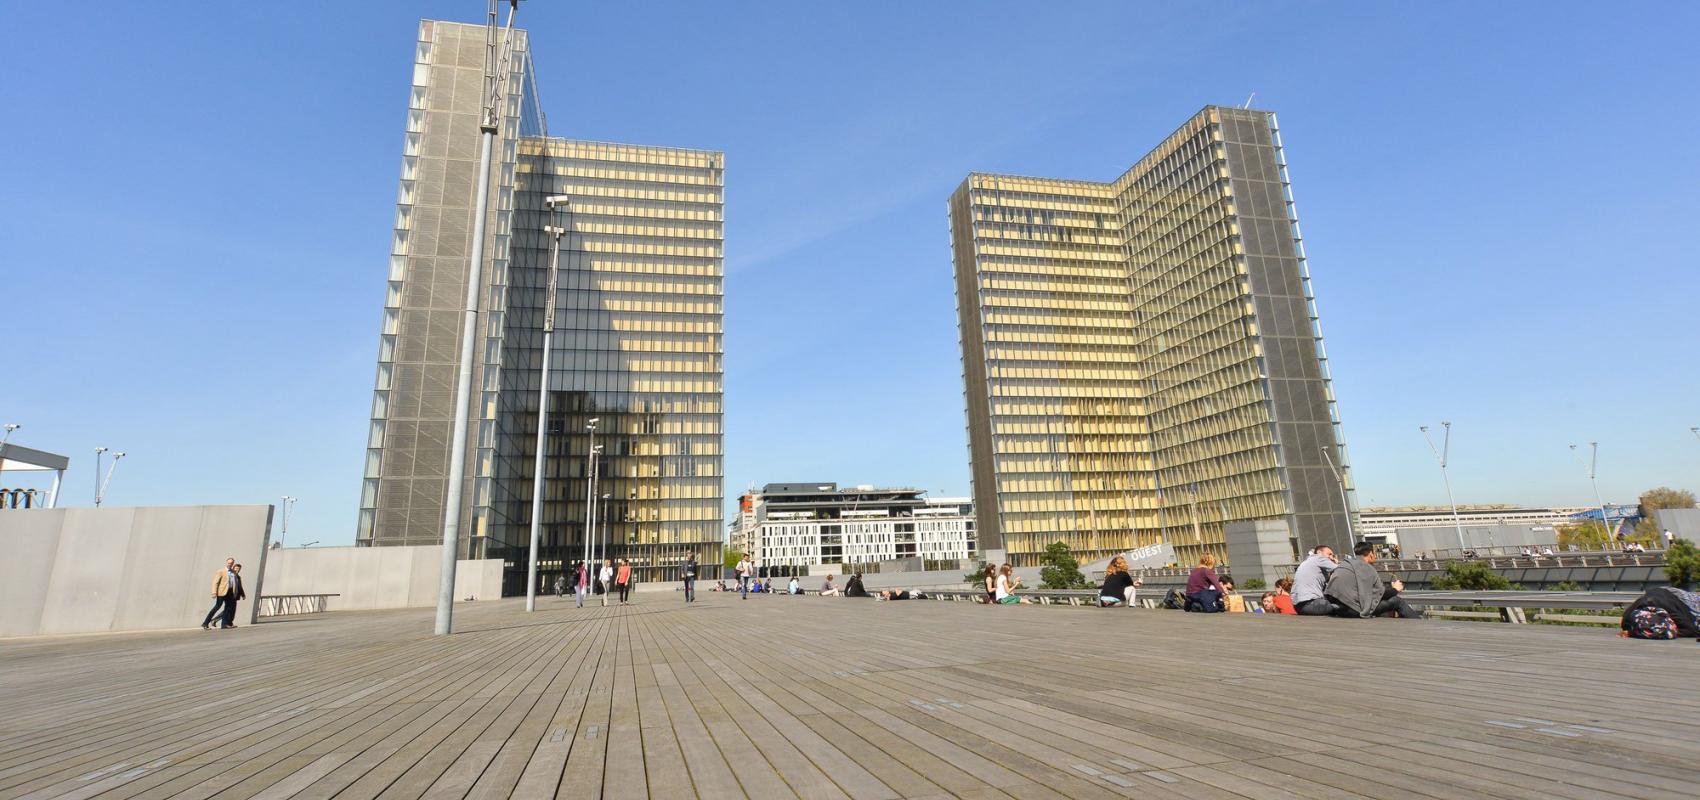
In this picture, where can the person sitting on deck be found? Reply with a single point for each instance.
(795, 587)
(901, 594)
(1006, 585)
(991, 583)
(1310, 581)
(1119, 585)
(1204, 591)
(1283, 599)
(827, 589)
(1356, 588)
(1266, 604)
(853, 587)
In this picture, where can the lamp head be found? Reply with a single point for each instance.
(99, 450)
(12, 426)
(118, 455)
(557, 200)
(554, 231)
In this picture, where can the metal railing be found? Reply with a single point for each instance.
(1516, 607)
(283, 605)
(1651, 558)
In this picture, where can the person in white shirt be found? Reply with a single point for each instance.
(794, 587)
(607, 577)
(744, 571)
(1006, 586)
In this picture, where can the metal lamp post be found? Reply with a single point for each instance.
(605, 523)
(10, 426)
(1441, 454)
(288, 503)
(590, 492)
(555, 233)
(489, 122)
(98, 452)
(1593, 478)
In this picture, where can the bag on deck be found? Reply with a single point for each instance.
(1648, 622)
(1681, 610)
(1174, 600)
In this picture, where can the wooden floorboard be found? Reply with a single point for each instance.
(837, 698)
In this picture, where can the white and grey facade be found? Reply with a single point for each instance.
(805, 524)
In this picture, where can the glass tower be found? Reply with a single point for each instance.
(637, 339)
(1141, 358)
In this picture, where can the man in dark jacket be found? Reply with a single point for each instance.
(1356, 588)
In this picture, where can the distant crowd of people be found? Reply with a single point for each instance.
(1323, 586)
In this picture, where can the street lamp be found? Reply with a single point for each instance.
(10, 426)
(590, 491)
(100, 484)
(1441, 454)
(288, 503)
(1593, 477)
(543, 406)
(605, 523)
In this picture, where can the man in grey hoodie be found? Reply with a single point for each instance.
(1356, 588)
(1311, 579)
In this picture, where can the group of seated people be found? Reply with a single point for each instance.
(1323, 586)
(854, 588)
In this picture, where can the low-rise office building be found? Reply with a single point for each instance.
(805, 524)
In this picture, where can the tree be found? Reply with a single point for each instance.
(977, 578)
(1062, 569)
(732, 559)
(1586, 535)
(1470, 575)
(1682, 563)
(1664, 497)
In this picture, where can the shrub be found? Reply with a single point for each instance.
(1682, 563)
(1470, 575)
(1062, 569)
(1255, 583)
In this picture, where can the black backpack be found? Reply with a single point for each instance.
(1174, 599)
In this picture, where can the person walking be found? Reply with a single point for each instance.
(236, 594)
(221, 592)
(581, 583)
(623, 579)
(689, 573)
(743, 571)
(560, 586)
(605, 579)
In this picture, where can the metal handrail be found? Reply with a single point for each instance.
(283, 605)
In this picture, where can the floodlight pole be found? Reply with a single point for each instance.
(10, 426)
(1593, 478)
(288, 503)
(1441, 454)
(590, 497)
(100, 493)
(543, 411)
(488, 124)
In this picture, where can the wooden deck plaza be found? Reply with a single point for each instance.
(816, 697)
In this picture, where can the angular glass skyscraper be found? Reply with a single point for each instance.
(637, 340)
(1141, 358)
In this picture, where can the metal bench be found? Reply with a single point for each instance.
(283, 605)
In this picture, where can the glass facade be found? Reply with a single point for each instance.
(637, 340)
(1141, 357)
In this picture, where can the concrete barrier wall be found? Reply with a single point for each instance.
(368, 578)
(85, 570)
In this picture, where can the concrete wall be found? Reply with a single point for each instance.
(1684, 522)
(377, 577)
(84, 570)
(1259, 549)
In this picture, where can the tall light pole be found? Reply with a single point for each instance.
(1593, 477)
(100, 492)
(590, 492)
(288, 503)
(1441, 454)
(10, 426)
(1345, 507)
(488, 124)
(555, 233)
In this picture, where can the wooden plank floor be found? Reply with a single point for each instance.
(835, 698)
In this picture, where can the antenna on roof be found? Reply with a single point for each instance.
(1248, 100)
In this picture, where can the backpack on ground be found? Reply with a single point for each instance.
(1174, 600)
(1648, 622)
(1680, 608)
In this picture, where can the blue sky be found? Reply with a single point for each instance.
(1497, 198)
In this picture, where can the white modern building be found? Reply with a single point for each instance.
(1387, 521)
(805, 524)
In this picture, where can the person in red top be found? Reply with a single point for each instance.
(623, 579)
(1284, 596)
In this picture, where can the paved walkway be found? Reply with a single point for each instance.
(780, 697)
